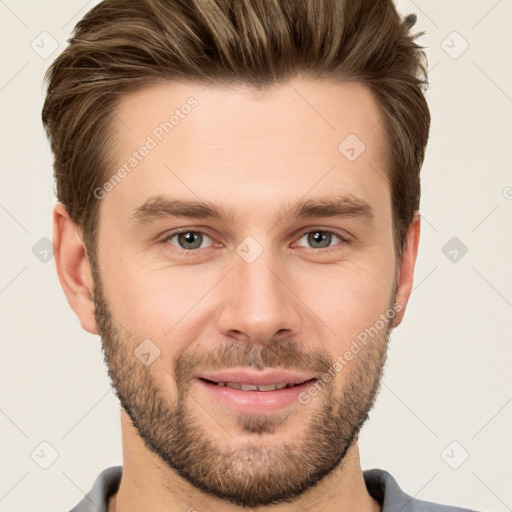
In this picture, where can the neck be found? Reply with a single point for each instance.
(148, 483)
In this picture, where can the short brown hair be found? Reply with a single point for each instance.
(122, 45)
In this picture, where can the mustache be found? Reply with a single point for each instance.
(281, 353)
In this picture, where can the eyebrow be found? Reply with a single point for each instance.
(342, 205)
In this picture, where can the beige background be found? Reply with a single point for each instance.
(448, 374)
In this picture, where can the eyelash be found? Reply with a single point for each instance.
(194, 251)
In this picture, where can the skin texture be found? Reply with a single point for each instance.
(299, 305)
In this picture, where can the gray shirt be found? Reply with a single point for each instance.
(380, 484)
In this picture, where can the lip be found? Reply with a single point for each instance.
(254, 402)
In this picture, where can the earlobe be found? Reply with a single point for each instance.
(73, 267)
(406, 269)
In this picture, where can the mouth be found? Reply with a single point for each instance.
(254, 392)
(257, 387)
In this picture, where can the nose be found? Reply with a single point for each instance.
(258, 302)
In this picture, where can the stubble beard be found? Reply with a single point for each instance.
(250, 473)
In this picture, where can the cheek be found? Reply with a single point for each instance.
(351, 300)
(162, 303)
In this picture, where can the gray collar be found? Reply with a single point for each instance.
(380, 484)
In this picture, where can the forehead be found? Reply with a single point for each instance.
(204, 141)
(311, 110)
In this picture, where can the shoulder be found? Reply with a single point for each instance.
(104, 486)
(384, 488)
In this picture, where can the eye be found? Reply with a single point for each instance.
(320, 238)
(188, 239)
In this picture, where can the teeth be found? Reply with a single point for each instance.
(254, 387)
(267, 387)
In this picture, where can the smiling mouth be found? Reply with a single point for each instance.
(257, 387)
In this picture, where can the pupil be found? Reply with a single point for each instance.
(190, 239)
(319, 236)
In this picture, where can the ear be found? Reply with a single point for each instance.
(406, 268)
(73, 267)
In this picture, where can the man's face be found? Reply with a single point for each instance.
(261, 296)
